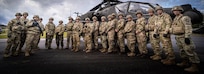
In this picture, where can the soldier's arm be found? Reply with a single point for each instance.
(168, 21)
(121, 25)
(97, 26)
(188, 26)
(62, 29)
(29, 24)
(9, 27)
(46, 28)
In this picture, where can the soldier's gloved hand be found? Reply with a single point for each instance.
(187, 41)
(25, 22)
(165, 35)
(155, 35)
(35, 23)
(18, 23)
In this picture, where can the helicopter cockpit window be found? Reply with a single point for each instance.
(121, 7)
(134, 7)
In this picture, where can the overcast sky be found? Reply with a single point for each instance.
(61, 9)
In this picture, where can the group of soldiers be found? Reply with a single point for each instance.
(112, 33)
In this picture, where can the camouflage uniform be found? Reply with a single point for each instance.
(95, 33)
(154, 40)
(129, 31)
(59, 32)
(50, 30)
(115, 21)
(102, 31)
(15, 27)
(110, 33)
(120, 36)
(32, 30)
(141, 35)
(77, 30)
(23, 34)
(88, 30)
(36, 42)
(182, 29)
(164, 23)
(69, 33)
(40, 34)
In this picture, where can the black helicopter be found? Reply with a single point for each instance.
(130, 7)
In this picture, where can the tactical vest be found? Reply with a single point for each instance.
(178, 26)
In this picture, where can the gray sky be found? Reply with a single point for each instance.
(61, 9)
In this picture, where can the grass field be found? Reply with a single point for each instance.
(3, 35)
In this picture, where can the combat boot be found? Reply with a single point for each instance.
(193, 68)
(156, 57)
(88, 51)
(62, 48)
(101, 49)
(6, 55)
(105, 50)
(76, 50)
(131, 54)
(169, 62)
(27, 54)
(184, 63)
(57, 47)
(152, 56)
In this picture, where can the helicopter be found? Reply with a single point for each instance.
(107, 7)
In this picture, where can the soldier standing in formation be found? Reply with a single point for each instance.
(153, 35)
(40, 34)
(23, 34)
(15, 27)
(129, 31)
(33, 28)
(88, 30)
(119, 31)
(68, 27)
(103, 34)
(59, 32)
(95, 32)
(50, 31)
(182, 29)
(140, 34)
(77, 30)
(164, 23)
(110, 33)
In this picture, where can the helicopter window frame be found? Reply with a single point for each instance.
(122, 7)
(140, 6)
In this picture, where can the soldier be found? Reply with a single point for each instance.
(40, 34)
(182, 29)
(88, 30)
(153, 35)
(129, 31)
(50, 30)
(14, 30)
(33, 28)
(111, 33)
(164, 23)
(119, 31)
(23, 34)
(69, 26)
(59, 32)
(140, 34)
(95, 33)
(35, 42)
(77, 30)
(115, 21)
(103, 34)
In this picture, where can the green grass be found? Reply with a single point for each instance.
(3, 35)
